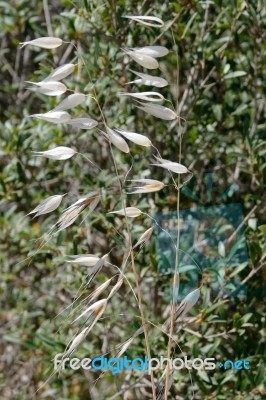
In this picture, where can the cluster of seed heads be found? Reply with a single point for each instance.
(147, 101)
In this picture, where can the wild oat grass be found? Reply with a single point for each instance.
(147, 58)
(105, 279)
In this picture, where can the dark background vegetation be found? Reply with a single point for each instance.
(220, 92)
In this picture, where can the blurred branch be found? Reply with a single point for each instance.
(47, 18)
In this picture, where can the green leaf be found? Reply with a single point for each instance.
(235, 74)
(15, 339)
(259, 378)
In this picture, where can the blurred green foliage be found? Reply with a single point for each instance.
(217, 83)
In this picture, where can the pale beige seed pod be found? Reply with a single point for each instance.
(171, 166)
(50, 88)
(115, 288)
(149, 186)
(82, 123)
(158, 111)
(145, 61)
(128, 342)
(187, 303)
(71, 213)
(146, 96)
(131, 212)
(152, 51)
(117, 140)
(145, 237)
(149, 80)
(70, 102)
(60, 73)
(146, 20)
(95, 314)
(44, 42)
(57, 153)
(100, 289)
(55, 117)
(95, 309)
(88, 260)
(141, 140)
(48, 205)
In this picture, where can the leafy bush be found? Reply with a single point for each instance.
(215, 74)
